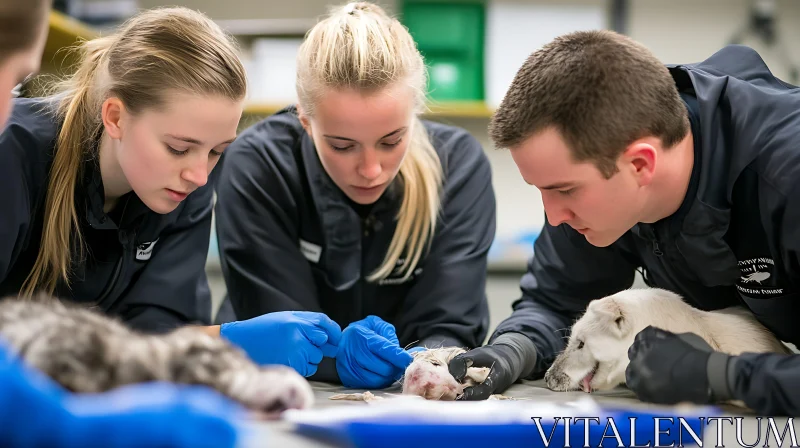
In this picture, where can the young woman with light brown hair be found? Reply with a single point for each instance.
(106, 194)
(350, 205)
(132, 415)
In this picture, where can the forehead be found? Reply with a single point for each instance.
(210, 119)
(348, 113)
(544, 159)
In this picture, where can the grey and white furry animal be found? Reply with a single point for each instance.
(86, 351)
(429, 377)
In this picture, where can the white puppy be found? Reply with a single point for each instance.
(596, 355)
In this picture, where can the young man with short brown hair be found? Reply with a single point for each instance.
(689, 173)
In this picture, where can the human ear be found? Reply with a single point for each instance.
(112, 112)
(304, 121)
(640, 157)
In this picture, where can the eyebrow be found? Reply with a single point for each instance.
(351, 140)
(558, 185)
(194, 141)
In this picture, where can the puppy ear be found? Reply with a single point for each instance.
(610, 310)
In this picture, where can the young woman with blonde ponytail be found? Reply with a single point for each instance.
(350, 205)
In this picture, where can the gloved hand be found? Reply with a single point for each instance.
(35, 412)
(298, 339)
(667, 368)
(505, 367)
(369, 356)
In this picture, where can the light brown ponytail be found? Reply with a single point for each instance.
(156, 52)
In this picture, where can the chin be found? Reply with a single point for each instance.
(600, 240)
(160, 206)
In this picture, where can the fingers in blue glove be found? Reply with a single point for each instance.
(366, 359)
(331, 330)
(389, 351)
(380, 327)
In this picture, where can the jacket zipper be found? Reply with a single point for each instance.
(117, 268)
(113, 282)
(651, 231)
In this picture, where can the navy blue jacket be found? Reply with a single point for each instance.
(734, 241)
(289, 239)
(145, 268)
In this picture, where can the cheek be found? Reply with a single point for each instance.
(394, 158)
(337, 165)
(142, 159)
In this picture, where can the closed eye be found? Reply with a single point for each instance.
(177, 152)
(435, 363)
(341, 148)
(392, 144)
(566, 192)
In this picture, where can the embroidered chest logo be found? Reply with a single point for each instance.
(755, 275)
(145, 250)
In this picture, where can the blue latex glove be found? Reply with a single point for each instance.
(36, 412)
(298, 339)
(379, 326)
(369, 355)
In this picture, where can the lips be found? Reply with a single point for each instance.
(368, 189)
(176, 195)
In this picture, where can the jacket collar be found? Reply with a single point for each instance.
(133, 209)
(699, 226)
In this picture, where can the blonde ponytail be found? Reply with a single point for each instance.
(158, 51)
(360, 47)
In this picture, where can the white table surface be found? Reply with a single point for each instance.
(282, 434)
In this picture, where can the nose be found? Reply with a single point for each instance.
(557, 213)
(197, 171)
(369, 166)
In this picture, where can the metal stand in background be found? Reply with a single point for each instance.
(761, 25)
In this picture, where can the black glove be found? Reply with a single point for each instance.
(668, 368)
(510, 357)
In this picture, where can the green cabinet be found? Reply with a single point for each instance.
(450, 36)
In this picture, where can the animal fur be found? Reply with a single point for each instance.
(429, 377)
(85, 351)
(596, 354)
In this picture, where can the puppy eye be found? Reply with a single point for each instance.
(435, 363)
(618, 320)
(580, 345)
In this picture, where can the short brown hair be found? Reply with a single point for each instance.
(601, 90)
(21, 21)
